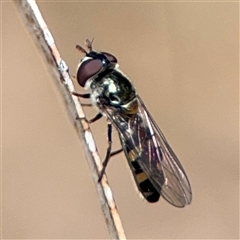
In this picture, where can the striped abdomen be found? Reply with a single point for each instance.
(144, 185)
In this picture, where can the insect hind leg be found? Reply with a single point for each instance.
(109, 154)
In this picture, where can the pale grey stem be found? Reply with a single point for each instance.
(58, 69)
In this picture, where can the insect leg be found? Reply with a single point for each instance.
(116, 152)
(105, 162)
(98, 116)
(85, 95)
(108, 154)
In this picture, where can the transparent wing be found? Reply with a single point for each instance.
(153, 153)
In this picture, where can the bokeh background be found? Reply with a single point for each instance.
(183, 59)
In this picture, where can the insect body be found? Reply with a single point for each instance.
(156, 169)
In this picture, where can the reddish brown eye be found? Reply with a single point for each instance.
(110, 57)
(87, 70)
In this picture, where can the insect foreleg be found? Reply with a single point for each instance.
(85, 95)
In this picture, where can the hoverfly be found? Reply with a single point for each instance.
(155, 167)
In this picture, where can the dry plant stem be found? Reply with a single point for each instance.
(47, 48)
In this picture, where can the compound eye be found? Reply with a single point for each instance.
(110, 57)
(88, 69)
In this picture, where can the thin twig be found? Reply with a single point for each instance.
(57, 67)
